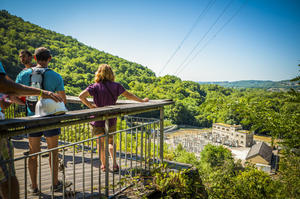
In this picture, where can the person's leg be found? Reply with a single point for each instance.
(14, 189)
(100, 147)
(112, 148)
(112, 151)
(98, 131)
(52, 142)
(34, 147)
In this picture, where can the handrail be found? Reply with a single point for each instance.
(18, 126)
(76, 100)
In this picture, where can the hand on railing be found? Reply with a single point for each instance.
(93, 105)
(49, 94)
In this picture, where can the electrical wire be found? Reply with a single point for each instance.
(198, 43)
(214, 36)
(208, 6)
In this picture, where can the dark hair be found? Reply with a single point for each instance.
(26, 52)
(42, 54)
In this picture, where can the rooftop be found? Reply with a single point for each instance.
(228, 125)
(244, 131)
(262, 149)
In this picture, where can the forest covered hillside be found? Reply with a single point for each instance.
(77, 64)
(75, 61)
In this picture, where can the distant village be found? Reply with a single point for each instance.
(240, 142)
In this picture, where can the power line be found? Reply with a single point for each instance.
(208, 6)
(211, 27)
(214, 36)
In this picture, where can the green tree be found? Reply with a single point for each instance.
(213, 157)
(253, 183)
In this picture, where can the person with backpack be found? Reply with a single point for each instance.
(42, 77)
(7, 170)
(105, 91)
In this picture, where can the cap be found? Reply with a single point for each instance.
(46, 107)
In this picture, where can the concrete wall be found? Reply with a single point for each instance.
(230, 132)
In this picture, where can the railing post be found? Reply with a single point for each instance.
(106, 156)
(161, 134)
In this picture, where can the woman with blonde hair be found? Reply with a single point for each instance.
(105, 91)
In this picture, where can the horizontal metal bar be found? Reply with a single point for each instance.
(13, 123)
(48, 127)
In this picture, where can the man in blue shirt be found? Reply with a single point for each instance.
(53, 82)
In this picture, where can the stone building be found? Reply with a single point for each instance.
(261, 155)
(232, 135)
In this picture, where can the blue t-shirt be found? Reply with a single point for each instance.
(2, 71)
(52, 81)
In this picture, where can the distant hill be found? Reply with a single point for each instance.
(280, 85)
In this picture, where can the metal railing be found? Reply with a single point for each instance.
(138, 143)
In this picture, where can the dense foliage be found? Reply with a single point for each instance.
(75, 61)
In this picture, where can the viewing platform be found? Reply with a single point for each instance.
(139, 143)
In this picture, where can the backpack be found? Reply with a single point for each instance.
(36, 81)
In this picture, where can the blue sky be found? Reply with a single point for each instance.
(261, 42)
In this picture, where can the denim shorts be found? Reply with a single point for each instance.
(49, 133)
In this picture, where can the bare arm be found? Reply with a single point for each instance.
(131, 96)
(83, 98)
(11, 88)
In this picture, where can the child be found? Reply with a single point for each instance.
(105, 92)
